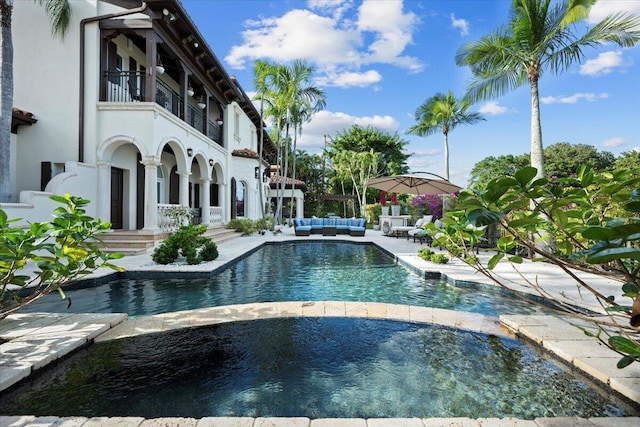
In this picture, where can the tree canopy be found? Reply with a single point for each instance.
(361, 139)
(562, 160)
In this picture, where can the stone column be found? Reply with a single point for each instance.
(103, 203)
(151, 164)
(184, 188)
(205, 201)
(299, 207)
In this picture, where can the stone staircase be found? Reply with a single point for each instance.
(137, 242)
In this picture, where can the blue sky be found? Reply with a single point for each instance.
(378, 60)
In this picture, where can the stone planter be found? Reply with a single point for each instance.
(385, 211)
(395, 210)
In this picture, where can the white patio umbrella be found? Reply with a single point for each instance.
(414, 184)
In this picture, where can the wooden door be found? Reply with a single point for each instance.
(117, 198)
(140, 185)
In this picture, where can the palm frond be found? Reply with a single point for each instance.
(59, 13)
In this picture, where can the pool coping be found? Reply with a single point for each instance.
(568, 345)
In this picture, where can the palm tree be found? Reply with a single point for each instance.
(59, 12)
(540, 36)
(295, 101)
(261, 73)
(443, 113)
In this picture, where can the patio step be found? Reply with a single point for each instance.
(137, 242)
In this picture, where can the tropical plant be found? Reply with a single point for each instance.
(291, 101)
(374, 210)
(360, 139)
(427, 204)
(245, 226)
(46, 256)
(443, 113)
(260, 76)
(357, 169)
(59, 12)
(541, 36)
(187, 242)
(593, 220)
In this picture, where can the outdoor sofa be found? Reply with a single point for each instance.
(330, 226)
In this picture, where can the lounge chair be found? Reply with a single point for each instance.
(417, 232)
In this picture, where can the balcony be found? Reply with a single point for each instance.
(129, 86)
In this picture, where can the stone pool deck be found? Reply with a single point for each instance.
(34, 340)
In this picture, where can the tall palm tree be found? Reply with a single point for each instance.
(443, 113)
(59, 12)
(296, 99)
(540, 36)
(261, 74)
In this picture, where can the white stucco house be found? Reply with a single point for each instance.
(133, 111)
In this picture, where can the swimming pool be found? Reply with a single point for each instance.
(308, 271)
(312, 367)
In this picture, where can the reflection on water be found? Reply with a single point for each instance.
(312, 367)
(311, 271)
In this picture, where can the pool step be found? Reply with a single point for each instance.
(137, 242)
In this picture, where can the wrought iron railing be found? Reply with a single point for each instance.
(215, 132)
(168, 98)
(129, 86)
(195, 118)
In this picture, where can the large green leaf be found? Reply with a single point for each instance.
(525, 175)
(624, 345)
(598, 233)
(494, 261)
(613, 253)
(482, 217)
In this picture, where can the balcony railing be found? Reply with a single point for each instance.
(215, 132)
(129, 86)
(168, 98)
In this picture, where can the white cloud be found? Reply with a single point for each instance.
(603, 8)
(374, 33)
(461, 24)
(294, 35)
(350, 79)
(614, 142)
(572, 99)
(603, 64)
(492, 107)
(336, 8)
(329, 123)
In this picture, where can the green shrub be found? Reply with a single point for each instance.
(425, 253)
(165, 253)
(186, 242)
(243, 225)
(209, 251)
(439, 258)
(428, 255)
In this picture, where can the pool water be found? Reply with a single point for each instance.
(309, 271)
(312, 367)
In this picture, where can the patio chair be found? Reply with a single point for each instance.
(417, 232)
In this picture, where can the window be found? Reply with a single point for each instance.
(240, 196)
(160, 185)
